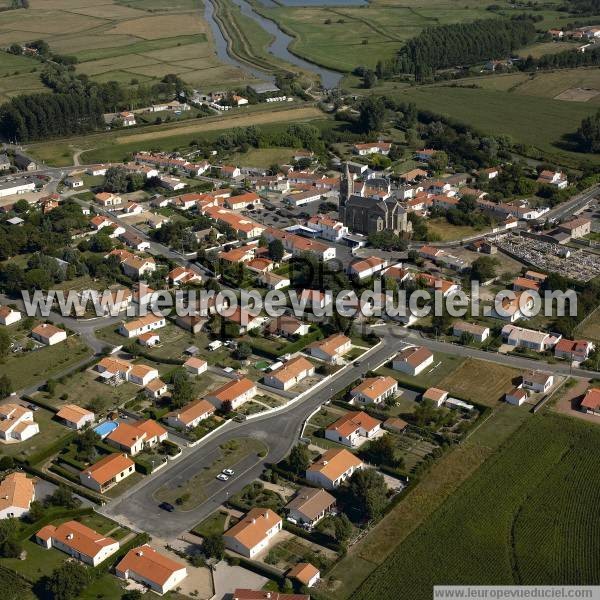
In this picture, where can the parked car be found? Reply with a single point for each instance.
(228, 472)
(222, 477)
(166, 506)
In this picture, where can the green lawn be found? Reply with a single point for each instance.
(215, 524)
(29, 368)
(39, 561)
(522, 527)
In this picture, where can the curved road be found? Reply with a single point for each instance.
(278, 431)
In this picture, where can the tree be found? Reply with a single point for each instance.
(438, 162)
(276, 250)
(63, 496)
(9, 545)
(381, 451)
(36, 511)
(342, 527)
(484, 268)
(183, 391)
(4, 343)
(371, 114)
(5, 386)
(116, 179)
(369, 79)
(589, 133)
(243, 351)
(132, 595)
(299, 459)
(368, 493)
(67, 581)
(214, 546)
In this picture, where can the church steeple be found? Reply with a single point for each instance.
(346, 186)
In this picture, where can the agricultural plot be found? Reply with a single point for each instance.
(117, 41)
(514, 522)
(539, 122)
(590, 328)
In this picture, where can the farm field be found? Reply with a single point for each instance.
(545, 84)
(538, 122)
(122, 41)
(442, 480)
(590, 329)
(513, 533)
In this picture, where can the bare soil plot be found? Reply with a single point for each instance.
(577, 94)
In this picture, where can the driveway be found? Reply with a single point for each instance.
(228, 578)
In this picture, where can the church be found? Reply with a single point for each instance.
(371, 206)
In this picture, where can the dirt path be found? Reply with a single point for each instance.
(568, 403)
(240, 120)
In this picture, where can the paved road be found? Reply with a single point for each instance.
(278, 431)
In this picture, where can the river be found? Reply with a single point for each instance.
(280, 45)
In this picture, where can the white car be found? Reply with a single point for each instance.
(222, 477)
(228, 472)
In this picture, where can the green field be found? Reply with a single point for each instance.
(526, 517)
(34, 367)
(537, 122)
(115, 40)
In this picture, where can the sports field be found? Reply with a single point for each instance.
(526, 517)
(120, 40)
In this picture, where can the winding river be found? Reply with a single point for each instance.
(280, 45)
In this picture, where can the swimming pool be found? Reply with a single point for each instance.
(105, 428)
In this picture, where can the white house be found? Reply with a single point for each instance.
(517, 396)
(195, 366)
(253, 533)
(235, 392)
(367, 267)
(333, 468)
(539, 341)
(331, 349)
(412, 360)
(190, 415)
(479, 333)
(8, 315)
(353, 428)
(16, 423)
(147, 566)
(48, 334)
(107, 472)
(17, 492)
(375, 390)
(75, 416)
(290, 374)
(538, 381)
(141, 325)
(78, 541)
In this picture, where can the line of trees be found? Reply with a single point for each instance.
(569, 59)
(458, 44)
(42, 116)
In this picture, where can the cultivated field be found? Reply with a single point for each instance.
(514, 522)
(536, 121)
(590, 329)
(121, 41)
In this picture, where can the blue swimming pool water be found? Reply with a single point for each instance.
(105, 428)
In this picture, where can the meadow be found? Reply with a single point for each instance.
(514, 521)
(115, 146)
(342, 37)
(541, 123)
